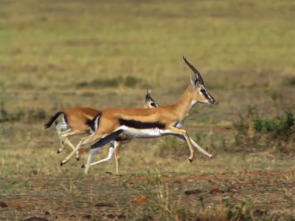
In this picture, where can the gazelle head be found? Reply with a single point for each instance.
(149, 102)
(200, 93)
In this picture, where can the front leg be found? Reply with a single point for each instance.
(176, 131)
(200, 148)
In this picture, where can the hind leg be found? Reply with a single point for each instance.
(100, 143)
(117, 154)
(61, 128)
(82, 142)
(65, 140)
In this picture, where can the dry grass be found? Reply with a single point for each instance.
(101, 54)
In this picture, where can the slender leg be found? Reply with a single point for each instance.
(68, 142)
(89, 160)
(176, 131)
(82, 142)
(200, 148)
(65, 140)
(111, 151)
(117, 154)
(197, 146)
(60, 127)
(108, 138)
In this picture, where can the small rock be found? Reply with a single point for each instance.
(191, 192)
(111, 216)
(104, 205)
(122, 216)
(3, 205)
(35, 218)
(87, 217)
(259, 212)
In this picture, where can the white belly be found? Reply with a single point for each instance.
(141, 133)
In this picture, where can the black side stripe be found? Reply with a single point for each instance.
(141, 125)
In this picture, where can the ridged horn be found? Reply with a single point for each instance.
(198, 75)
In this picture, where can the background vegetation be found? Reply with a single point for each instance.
(102, 54)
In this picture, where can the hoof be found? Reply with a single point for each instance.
(190, 160)
(212, 156)
(83, 166)
(58, 152)
(77, 158)
(61, 164)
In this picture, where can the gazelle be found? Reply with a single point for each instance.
(148, 103)
(74, 121)
(147, 123)
(115, 145)
(80, 120)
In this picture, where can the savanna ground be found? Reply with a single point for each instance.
(57, 54)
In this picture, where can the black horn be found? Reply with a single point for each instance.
(198, 75)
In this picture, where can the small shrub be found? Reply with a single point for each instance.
(131, 81)
(289, 82)
(278, 126)
(256, 133)
(22, 114)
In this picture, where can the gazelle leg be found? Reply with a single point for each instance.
(89, 160)
(100, 143)
(68, 142)
(197, 146)
(64, 136)
(117, 154)
(82, 142)
(59, 129)
(111, 151)
(177, 132)
(200, 148)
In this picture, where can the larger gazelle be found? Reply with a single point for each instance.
(148, 123)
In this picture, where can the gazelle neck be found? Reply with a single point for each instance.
(184, 105)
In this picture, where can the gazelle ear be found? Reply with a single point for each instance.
(194, 81)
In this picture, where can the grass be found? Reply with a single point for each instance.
(103, 54)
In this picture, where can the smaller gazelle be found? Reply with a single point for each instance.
(81, 120)
(147, 123)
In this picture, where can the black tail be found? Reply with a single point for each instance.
(52, 119)
(94, 123)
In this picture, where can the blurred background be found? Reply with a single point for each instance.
(58, 54)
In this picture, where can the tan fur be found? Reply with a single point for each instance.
(170, 117)
(77, 118)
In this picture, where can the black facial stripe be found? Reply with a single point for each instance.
(204, 92)
(141, 125)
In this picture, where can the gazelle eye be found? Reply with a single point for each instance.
(153, 104)
(203, 91)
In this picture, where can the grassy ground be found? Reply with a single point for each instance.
(103, 54)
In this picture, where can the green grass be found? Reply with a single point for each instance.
(107, 54)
